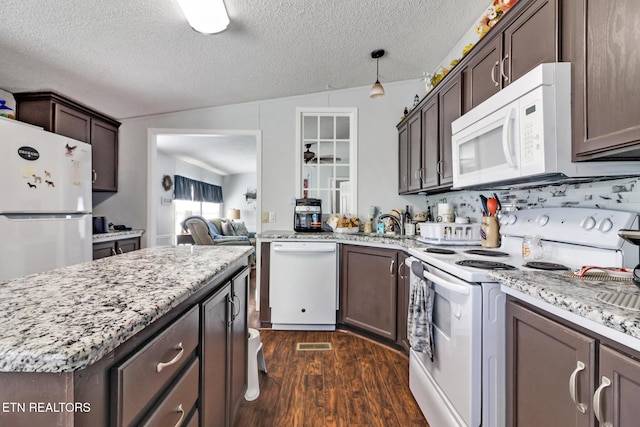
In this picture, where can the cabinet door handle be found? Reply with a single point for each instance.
(416, 174)
(120, 250)
(502, 73)
(235, 315)
(160, 366)
(573, 387)
(113, 252)
(400, 270)
(232, 309)
(393, 263)
(493, 74)
(94, 176)
(597, 401)
(181, 411)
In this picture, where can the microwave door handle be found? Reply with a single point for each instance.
(506, 140)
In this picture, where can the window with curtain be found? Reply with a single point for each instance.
(193, 197)
(196, 191)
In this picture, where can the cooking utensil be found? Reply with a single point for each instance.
(611, 271)
(492, 206)
(483, 201)
(495, 196)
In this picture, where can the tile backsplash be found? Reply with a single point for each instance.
(620, 194)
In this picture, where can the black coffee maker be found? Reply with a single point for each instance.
(307, 215)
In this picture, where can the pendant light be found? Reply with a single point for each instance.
(205, 16)
(377, 90)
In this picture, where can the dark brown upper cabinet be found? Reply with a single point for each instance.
(600, 40)
(61, 115)
(528, 37)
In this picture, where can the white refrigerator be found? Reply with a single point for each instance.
(45, 200)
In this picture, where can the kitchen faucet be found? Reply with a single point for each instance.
(398, 222)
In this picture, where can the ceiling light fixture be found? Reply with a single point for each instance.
(205, 16)
(377, 90)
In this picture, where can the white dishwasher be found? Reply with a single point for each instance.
(303, 285)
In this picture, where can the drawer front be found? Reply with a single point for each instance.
(174, 409)
(146, 373)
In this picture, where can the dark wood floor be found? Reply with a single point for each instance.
(358, 383)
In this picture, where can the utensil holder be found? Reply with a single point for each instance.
(490, 232)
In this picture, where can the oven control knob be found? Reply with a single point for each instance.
(588, 223)
(542, 220)
(605, 225)
(511, 219)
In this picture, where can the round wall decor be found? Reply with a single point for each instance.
(167, 183)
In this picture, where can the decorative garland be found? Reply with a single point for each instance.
(494, 13)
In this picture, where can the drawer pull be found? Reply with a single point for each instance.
(160, 366)
(179, 409)
(113, 251)
(582, 408)
(597, 401)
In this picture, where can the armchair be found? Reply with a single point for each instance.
(204, 232)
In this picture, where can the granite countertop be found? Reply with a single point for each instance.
(65, 319)
(116, 235)
(577, 300)
(367, 238)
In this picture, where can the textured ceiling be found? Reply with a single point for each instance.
(132, 58)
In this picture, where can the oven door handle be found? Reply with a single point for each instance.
(453, 287)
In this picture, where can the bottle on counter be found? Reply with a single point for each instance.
(429, 216)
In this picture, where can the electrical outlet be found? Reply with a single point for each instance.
(265, 217)
(272, 217)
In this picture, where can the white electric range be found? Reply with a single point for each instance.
(463, 385)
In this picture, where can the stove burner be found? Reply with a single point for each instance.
(440, 251)
(545, 266)
(485, 265)
(486, 252)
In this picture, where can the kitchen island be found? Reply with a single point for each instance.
(65, 332)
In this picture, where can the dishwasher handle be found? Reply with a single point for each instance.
(304, 249)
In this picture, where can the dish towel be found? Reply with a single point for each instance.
(419, 325)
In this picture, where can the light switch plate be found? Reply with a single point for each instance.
(272, 217)
(265, 217)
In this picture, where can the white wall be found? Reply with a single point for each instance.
(377, 157)
(235, 187)
(165, 213)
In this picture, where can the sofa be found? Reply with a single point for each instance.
(217, 231)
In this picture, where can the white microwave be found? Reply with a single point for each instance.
(522, 136)
(520, 133)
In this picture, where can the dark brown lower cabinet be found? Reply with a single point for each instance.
(368, 289)
(560, 377)
(224, 352)
(239, 340)
(404, 293)
(215, 351)
(115, 247)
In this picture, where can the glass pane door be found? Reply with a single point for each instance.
(327, 167)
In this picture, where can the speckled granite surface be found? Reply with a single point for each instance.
(371, 238)
(116, 235)
(66, 319)
(576, 296)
